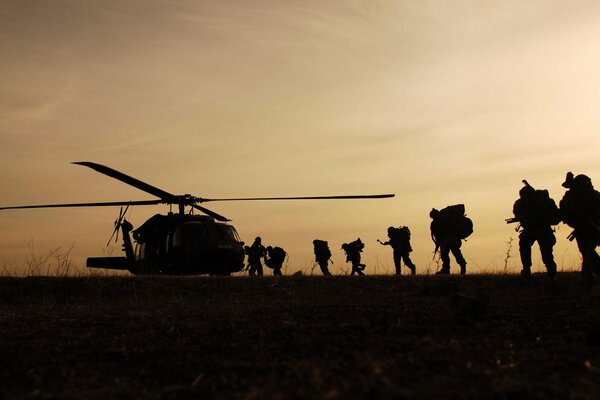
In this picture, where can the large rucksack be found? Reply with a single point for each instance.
(401, 234)
(278, 254)
(321, 248)
(536, 210)
(454, 219)
(581, 208)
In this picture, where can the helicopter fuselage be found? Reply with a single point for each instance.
(178, 244)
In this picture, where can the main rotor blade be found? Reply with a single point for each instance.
(104, 204)
(168, 197)
(363, 196)
(213, 214)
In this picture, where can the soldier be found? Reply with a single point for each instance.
(353, 250)
(400, 243)
(276, 257)
(536, 212)
(448, 227)
(255, 253)
(322, 255)
(580, 209)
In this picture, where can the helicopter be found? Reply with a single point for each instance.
(176, 243)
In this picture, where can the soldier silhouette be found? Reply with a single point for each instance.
(276, 257)
(580, 209)
(255, 253)
(353, 250)
(536, 212)
(448, 227)
(322, 255)
(399, 240)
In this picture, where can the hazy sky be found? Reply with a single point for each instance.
(440, 102)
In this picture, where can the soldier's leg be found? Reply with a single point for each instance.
(445, 256)
(397, 262)
(409, 263)
(587, 248)
(358, 267)
(259, 269)
(277, 271)
(546, 241)
(526, 240)
(251, 269)
(324, 267)
(460, 260)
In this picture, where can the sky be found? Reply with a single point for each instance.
(439, 102)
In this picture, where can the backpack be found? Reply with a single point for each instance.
(580, 207)
(401, 234)
(537, 210)
(321, 249)
(454, 219)
(276, 257)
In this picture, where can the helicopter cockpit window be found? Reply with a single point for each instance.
(177, 238)
(223, 232)
(140, 250)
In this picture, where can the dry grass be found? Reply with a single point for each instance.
(481, 336)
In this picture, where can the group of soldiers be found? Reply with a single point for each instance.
(534, 211)
(537, 213)
(274, 258)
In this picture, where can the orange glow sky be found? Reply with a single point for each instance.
(439, 102)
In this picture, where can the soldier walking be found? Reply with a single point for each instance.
(353, 250)
(580, 209)
(536, 213)
(255, 253)
(399, 240)
(322, 255)
(449, 226)
(276, 257)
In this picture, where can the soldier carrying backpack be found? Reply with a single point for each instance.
(536, 213)
(353, 250)
(276, 257)
(580, 209)
(449, 226)
(399, 240)
(322, 255)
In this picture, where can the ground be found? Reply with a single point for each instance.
(479, 336)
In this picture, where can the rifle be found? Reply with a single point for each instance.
(437, 246)
(512, 221)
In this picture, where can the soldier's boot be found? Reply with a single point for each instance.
(443, 271)
(413, 269)
(463, 269)
(526, 273)
(552, 273)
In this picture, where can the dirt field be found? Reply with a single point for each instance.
(481, 336)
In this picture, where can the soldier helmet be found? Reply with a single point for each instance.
(526, 190)
(434, 213)
(579, 181)
(583, 181)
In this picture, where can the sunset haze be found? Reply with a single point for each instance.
(439, 102)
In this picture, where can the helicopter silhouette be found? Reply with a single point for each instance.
(176, 243)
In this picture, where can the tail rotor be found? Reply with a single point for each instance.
(118, 223)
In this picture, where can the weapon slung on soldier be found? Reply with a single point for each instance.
(512, 220)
